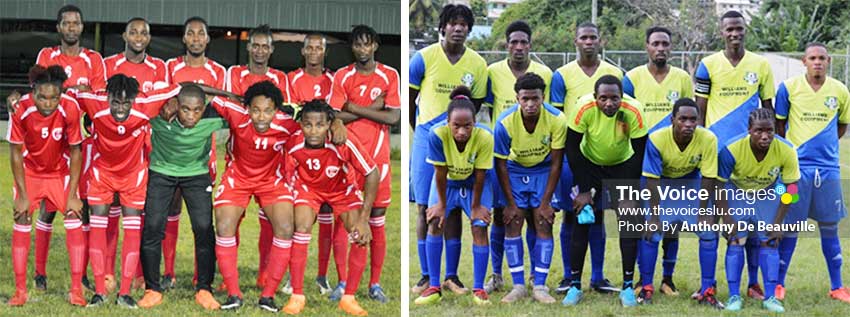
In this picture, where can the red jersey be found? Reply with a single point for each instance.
(84, 69)
(254, 156)
(239, 78)
(150, 71)
(46, 138)
(306, 87)
(362, 90)
(120, 146)
(211, 74)
(325, 169)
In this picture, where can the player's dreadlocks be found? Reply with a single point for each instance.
(316, 105)
(362, 31)
(760, 114)
(529, 81)
(264, 88)
(53, 75)
(461, 100)
(120, 84)
(454, 11)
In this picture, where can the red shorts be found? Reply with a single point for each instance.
(383, 197)
(233, 191)
(53, 191)
(131, 188)
(341, 201)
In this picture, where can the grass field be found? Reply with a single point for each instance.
(807, 280)
(180, 302)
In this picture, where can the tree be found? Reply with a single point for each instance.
(424, 17)
(783, 25)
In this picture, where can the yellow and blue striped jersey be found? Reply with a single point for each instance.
(663, 158)
(657, 98)
(607, 140)
(500, 85)
(435, 77)
(530, 150)
(569, 83)
(738, 163)
(443, 151)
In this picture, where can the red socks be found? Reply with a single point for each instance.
(130, 251)
(43, 233)
(356, 266)
(112, 238)
(340, 246)
(226, 253)
(298, 261)
(20, 254)
(76, 245)
(264, 244)
(325, 239)
(169, 243)
(378, 248)
(280, 254)
(97, 251)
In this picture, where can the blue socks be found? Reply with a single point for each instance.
(565, 235)
(497, 247)
(542, 253)
(786, 250)
(514, 254)
(671, 250)
(831, 248)
(452, 256)
(530, 240)
(768, 261)
(647, 256)
(596, 239)
(434, 244)
(423, 256)
(752, 247)
(707, 262)
(480, 254)
(734, 268)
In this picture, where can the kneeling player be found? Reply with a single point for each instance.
(681, 154)
(47, 123)
(753, 163)
(319, 170)
(462, 154)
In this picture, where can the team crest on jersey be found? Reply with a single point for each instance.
(331, 171)
(831, 102)
(471, 159)
(696, 159)
(672, 96)
(773, 171)
(374, 93)
(751, 78)
(467, 80)
(56, 134)
(546, 140)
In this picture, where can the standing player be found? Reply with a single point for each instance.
(529, 151)
(754, 161)
(366, 94)
(657, 85)
(83, 66)
(48, 125)
(605, 143)
(320, 171)
(501, 96)
(461, 151)
(434, 72)
(682, 154)
(195, 67)
(815, 108)
(569, 83)
(729, 85)
(237, 80)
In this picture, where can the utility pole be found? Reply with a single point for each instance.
(593, 5)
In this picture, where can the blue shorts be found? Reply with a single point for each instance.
(764, 212)
(820, 196)
(495, 188)
(562, 199)
(421, 172)
(459, 195)
(527, 186)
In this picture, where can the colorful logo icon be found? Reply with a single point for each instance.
(788, 195)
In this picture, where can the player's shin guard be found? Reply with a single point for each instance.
(280, 256)
(340, 249)
(707, 262)
(20, 254)
(671, 251)
(169, 243)
(480, 254)
(628, 253)
(786, 251)
(130, 251)
(769, 264)
(647, 256)
(226, 254)
(542, 253)
(453, 247)
(435, 252)
(325, 241)
(75, 243)
(112, 239)
(831, 248)
(356, 266)
(43, 233)
(514, 254)
(752, 249)
(596, 240)
(734, 268)
(97, 251)
(497, 247)
(298, 262)
(264, 244)
(565, 234)
(378, 248)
